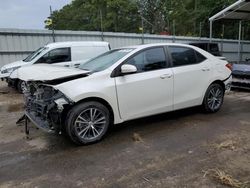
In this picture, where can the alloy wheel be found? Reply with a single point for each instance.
(90, 123)
(215, 97)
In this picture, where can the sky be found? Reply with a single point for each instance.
(27, 14)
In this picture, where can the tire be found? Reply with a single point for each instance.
(214, 98)
(81, 128)
(21, 86)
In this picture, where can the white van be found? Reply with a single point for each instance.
(68, 54)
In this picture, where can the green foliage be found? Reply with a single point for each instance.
(180, 17)
(117, 15)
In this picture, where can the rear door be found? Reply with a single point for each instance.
(150, 90)
(192, 72)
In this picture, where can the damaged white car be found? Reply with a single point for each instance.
(121, 85)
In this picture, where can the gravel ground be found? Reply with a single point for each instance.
(168, 150)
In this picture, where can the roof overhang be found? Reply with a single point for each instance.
(240, 10)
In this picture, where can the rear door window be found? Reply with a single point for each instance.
(182, 56)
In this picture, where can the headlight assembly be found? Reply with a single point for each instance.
(10, 70)
(60, 102)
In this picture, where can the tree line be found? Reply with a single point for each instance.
(175, 17)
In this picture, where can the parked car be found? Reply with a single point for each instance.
(210, 47)
(121, 85)
(68, 54)
(241, 75)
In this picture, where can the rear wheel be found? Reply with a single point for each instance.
(214, 98)
(87, 123)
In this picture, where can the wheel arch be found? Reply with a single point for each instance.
(95, 99)
(213, 82)
(220, 82)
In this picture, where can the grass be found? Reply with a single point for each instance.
(229, 144)
(225, 179)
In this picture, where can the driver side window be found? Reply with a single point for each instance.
(148, 60)
(56, 56)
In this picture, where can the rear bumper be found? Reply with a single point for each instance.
(228, 83)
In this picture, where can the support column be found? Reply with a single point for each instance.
(211, 31)
(142, 30)
(239, 42)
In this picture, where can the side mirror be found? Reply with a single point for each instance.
(128, 69)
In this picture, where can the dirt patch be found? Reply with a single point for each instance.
(245, 122)
(15, 107)
(137, 138)
(38, 143)
(168, 150)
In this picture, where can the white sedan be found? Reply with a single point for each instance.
(121, 85)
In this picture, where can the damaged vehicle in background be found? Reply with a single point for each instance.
(121, 85)
(241, 75)
(67, 54)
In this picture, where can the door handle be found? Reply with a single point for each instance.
(66, 65)
(205, 69)
(166, 76)
(77, 65)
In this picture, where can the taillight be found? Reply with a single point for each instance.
(230, 66)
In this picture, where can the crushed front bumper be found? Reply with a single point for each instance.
(44, 108)
(4, 76)
(39, 122)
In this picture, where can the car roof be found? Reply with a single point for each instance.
(76, 43)
(203, 42)
(156, 44)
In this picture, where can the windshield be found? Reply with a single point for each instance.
(105, 60)
(35, 54)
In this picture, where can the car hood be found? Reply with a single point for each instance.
(14, 64)
(46, 73)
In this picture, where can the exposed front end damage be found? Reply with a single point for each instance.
(44, 106)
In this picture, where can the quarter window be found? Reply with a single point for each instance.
(200, 57)
(151, 59)
(56, 56)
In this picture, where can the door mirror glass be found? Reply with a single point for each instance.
(128, 69)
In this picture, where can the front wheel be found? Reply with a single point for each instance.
(87, 122)
(214, 98)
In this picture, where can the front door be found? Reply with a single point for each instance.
(150, 90)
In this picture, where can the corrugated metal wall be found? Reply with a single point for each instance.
(16, 44)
